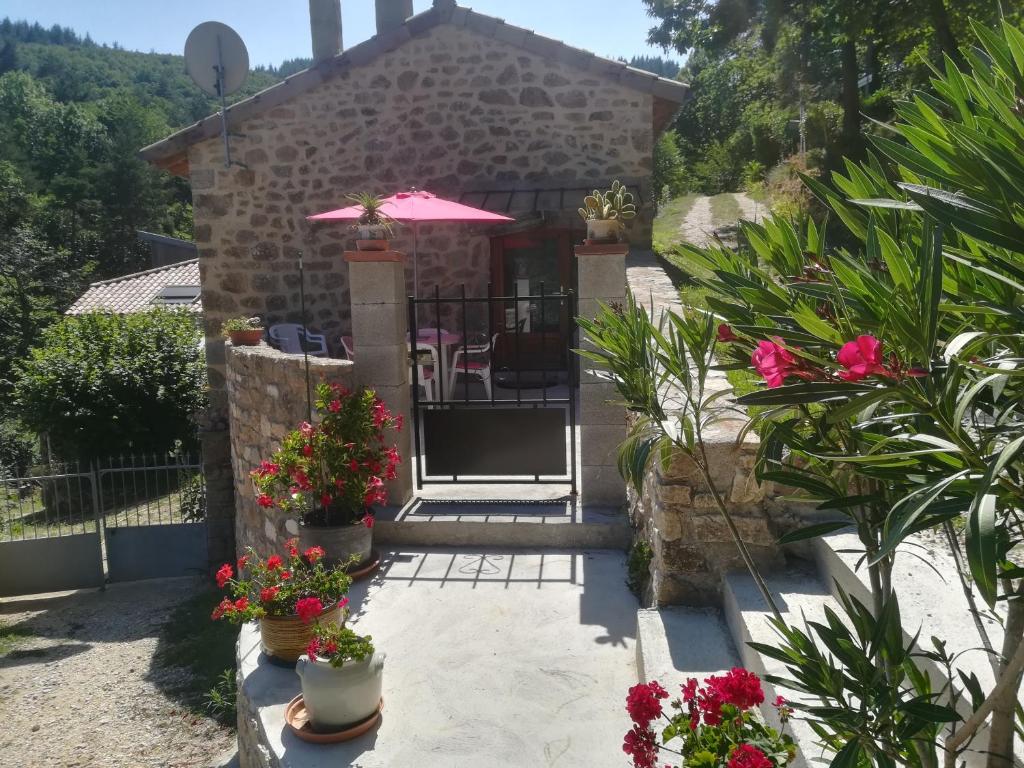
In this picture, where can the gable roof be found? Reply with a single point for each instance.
(169, 152)
(140, 291)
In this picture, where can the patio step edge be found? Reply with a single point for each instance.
(674, 643)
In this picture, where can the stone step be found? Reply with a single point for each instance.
(675, 643)
(562, 524)
(932, 601)
(799, 594)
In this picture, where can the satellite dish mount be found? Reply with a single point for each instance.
(217, 61)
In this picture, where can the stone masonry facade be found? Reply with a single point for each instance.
(267, 392)
(448, 110)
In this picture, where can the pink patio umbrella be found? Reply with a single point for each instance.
(414, 207)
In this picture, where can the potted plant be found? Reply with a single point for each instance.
(342, 677)
(243, 331)
(711, 725)
(607, 212)
(332, 474)
(374, 228)
(286, 595)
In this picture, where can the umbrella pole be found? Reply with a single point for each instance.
(415, 259)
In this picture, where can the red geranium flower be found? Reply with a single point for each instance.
(747, 756)
(224, 574)
(314, 553)
(862, 358)
(264, 500)
(368, 521)
(222, 607)
(274, 561)
(308, 608)
(292, 547)
(643, 702)
(242, 562)
(739, 687)
(267, 594)
(241, 603)
(313, 648)
(335, 406)
(640, 744)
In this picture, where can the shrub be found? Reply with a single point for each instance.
(18, 447)
(669, 170)
(102, 384)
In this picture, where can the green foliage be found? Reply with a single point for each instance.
(871, 700)
(241, 324)
(221, 701)
(19, 448)
(102, 384)
(337, 644)
(204, 651)
(638, 567)
(669, 174)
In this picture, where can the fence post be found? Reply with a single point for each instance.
(379, 323)
(601, 273)
(97, 511)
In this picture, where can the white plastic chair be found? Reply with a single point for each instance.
(480, 367)
(289, 337)
(349, 346)
(425, 371)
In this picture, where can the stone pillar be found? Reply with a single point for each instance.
(376, 282)
(601, 271)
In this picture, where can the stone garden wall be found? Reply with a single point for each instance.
(691, 545)
(267, 399)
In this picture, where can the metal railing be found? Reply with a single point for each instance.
(62, 499)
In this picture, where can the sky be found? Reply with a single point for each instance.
(276, 30)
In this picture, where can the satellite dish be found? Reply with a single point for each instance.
(216, 58)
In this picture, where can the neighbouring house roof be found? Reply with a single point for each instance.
(173, 286)
(170, 153)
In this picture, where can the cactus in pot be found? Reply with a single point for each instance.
(607, 212)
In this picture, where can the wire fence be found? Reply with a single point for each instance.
(61, 499)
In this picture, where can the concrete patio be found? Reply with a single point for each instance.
(497, 658)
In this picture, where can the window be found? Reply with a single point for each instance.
(177, 294)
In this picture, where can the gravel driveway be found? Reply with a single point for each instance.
(81, 688)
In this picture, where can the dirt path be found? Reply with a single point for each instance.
(700, 221)
(80, 689)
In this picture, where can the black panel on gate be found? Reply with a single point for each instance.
(496, 442)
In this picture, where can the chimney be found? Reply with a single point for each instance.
(392, 14)
(325, 28)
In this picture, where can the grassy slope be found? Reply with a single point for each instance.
(666, 225)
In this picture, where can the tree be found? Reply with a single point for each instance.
(101, 384)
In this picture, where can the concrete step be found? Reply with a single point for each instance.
(550, 523)
(799, 594)
(675, 642)
(932, 600)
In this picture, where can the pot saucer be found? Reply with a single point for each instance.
(298, 721)
(361, 571)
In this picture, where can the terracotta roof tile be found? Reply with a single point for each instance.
(139, 291)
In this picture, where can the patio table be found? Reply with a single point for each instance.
(448, 340)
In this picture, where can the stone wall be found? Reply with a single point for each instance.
(690, 542)
(267, 399)
(448, 111)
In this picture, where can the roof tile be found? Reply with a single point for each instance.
(135, 292)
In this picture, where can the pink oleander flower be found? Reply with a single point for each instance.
(774, 362)
(862, 358)
(725, 334)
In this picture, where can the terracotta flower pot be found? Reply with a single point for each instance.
(286, 637)
(340, 542)
(247, 338)
(337, 697)
(603, 230)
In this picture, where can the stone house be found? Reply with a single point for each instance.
(448, 100)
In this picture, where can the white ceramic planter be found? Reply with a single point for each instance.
(340, 542)
(339, 697)
(603, 230)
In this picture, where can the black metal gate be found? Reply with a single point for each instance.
(494, 388)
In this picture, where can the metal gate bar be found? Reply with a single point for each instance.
(488, 411)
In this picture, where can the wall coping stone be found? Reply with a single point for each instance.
(375, 256)
(602, 249)
(269, 353)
